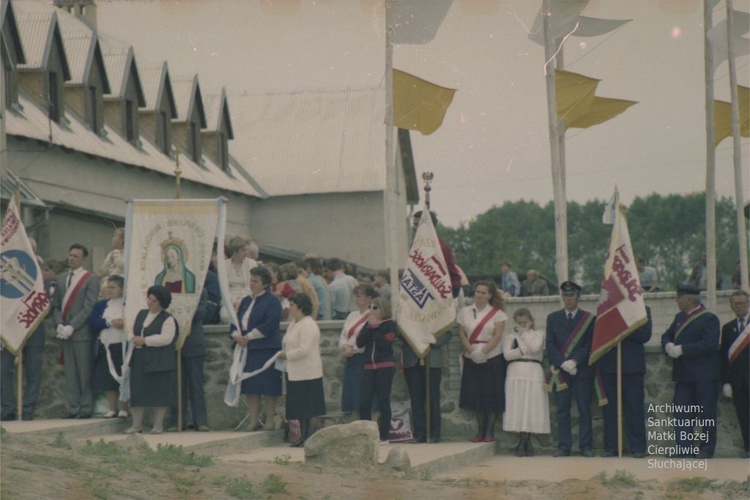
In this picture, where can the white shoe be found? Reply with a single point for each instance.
(383, 443)
(110, 414)
(122, 414)
(132, 430)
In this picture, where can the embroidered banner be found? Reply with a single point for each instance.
(24, 302)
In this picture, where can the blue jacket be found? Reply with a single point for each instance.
(265, 316)
(558, 329)
(700, 348)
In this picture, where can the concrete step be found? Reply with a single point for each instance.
(72, 429)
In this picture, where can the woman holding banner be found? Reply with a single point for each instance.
(259, 316)
(153, 365)
(480, 327)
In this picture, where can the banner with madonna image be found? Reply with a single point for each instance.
(24, 302)
(169, 243)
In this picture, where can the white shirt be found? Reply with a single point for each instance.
(469, 317)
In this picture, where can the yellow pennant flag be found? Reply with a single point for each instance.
(578, 107)
(723, 116)
(419, 104)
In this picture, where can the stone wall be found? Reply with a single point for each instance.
(456, 423)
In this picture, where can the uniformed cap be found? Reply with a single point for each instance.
(687, 289)
(570, 288)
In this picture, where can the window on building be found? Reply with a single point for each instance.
(93, 111)
(54, 98)
(223, 151)
(161, 133)
(129, 120)
(195, 140)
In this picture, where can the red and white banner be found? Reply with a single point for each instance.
(24, 301)
(621, 308)
(425, 305)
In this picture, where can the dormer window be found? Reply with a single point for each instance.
(54, 97)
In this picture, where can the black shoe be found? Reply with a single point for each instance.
(71, 415)
(8, 418)
(561, 453)
(83, 416)
(435, 440)
(27, 417)
(298, 444)
(419, 440)
(528, 449)
(705, 454)
(745, 454)
(638, 454)
(588, 452)
(608, 454)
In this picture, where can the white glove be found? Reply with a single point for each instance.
(431, 339)
(677, 351)
(669, 349)
(569, 366)
(478, 356)
(727, 390)
(573, 371)
(62, 331)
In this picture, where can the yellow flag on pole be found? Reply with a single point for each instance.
(419, 104)
(578, 107)
(723, 116)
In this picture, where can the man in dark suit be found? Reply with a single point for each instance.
(414, 373)
(193, 354)
(692, 341)
(569, 335)
(735, 363)
(77, 293)
(633, 368)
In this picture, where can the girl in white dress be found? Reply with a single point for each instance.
(527, 404)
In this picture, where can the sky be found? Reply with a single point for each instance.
(493, 146)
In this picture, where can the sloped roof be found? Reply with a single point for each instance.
(9, 17)
(155, 79)
(32, 122)
(217, 109)
(39, 29)
(187, 93)
(119, 60)
(312, 140)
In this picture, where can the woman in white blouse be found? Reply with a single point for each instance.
(480, 327)
(527, 403)
(305, 399)
(153, 381)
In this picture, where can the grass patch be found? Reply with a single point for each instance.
(274, 484)
(166, 457)
(65, 463)
(694, 484)
(240, 488)
(61, 442)
(282, 460)
(103, 448)
(621, 478)
(425, 474)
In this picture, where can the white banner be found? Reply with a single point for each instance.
(168, 243)
(425, 299)
(24, 301)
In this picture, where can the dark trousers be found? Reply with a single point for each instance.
(633, 415)
(192, 390)
(580, 390)
(416, 382)
(741, 399)
(79, 364)
(704, 394)
(377, 382)
(32, 379)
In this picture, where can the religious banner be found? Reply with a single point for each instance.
(24, 302)
(425, 305)
(621, 308)
(168, 243)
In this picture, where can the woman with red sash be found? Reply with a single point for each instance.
(355, 358)
(480, 327)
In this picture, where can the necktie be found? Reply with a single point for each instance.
(70, 279)
(742, 325)
(570, 316)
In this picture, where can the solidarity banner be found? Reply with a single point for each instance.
(24, 301)
(621, 308)
(425, 306)
(168, 243)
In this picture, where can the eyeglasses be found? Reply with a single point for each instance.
(374, 307)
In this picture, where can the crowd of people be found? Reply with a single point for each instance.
(501, 365)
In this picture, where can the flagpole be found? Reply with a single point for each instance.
(427, 178)
(558, 175)
(619, 353)
(738, 183)
(710, 160)
(177, 196)
(390, 196)
(19, 354)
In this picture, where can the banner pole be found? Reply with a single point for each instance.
(427, 178)
(19, 390)
(619, 399)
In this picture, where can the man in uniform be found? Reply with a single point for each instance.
(692, 341)
(77, 292)
(633, 369)
(569, 335)
(735, 363)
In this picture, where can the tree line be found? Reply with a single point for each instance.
(669, 232)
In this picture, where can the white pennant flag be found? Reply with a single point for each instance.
(425, 302)
(24, 301)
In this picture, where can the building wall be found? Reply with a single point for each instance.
(33, 82)
(457, 423)
(75, 100)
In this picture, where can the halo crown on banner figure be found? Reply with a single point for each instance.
(174, 241)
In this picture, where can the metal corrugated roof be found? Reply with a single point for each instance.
(152, 78)
(183, 88)
(212, 104)
(35, 29)
(118, 56)
(10, 184)
(79, 48)
(312, 140)
(32, 122)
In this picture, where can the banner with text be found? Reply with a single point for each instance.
(24, 302)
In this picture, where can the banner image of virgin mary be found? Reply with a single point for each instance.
(175, 275)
